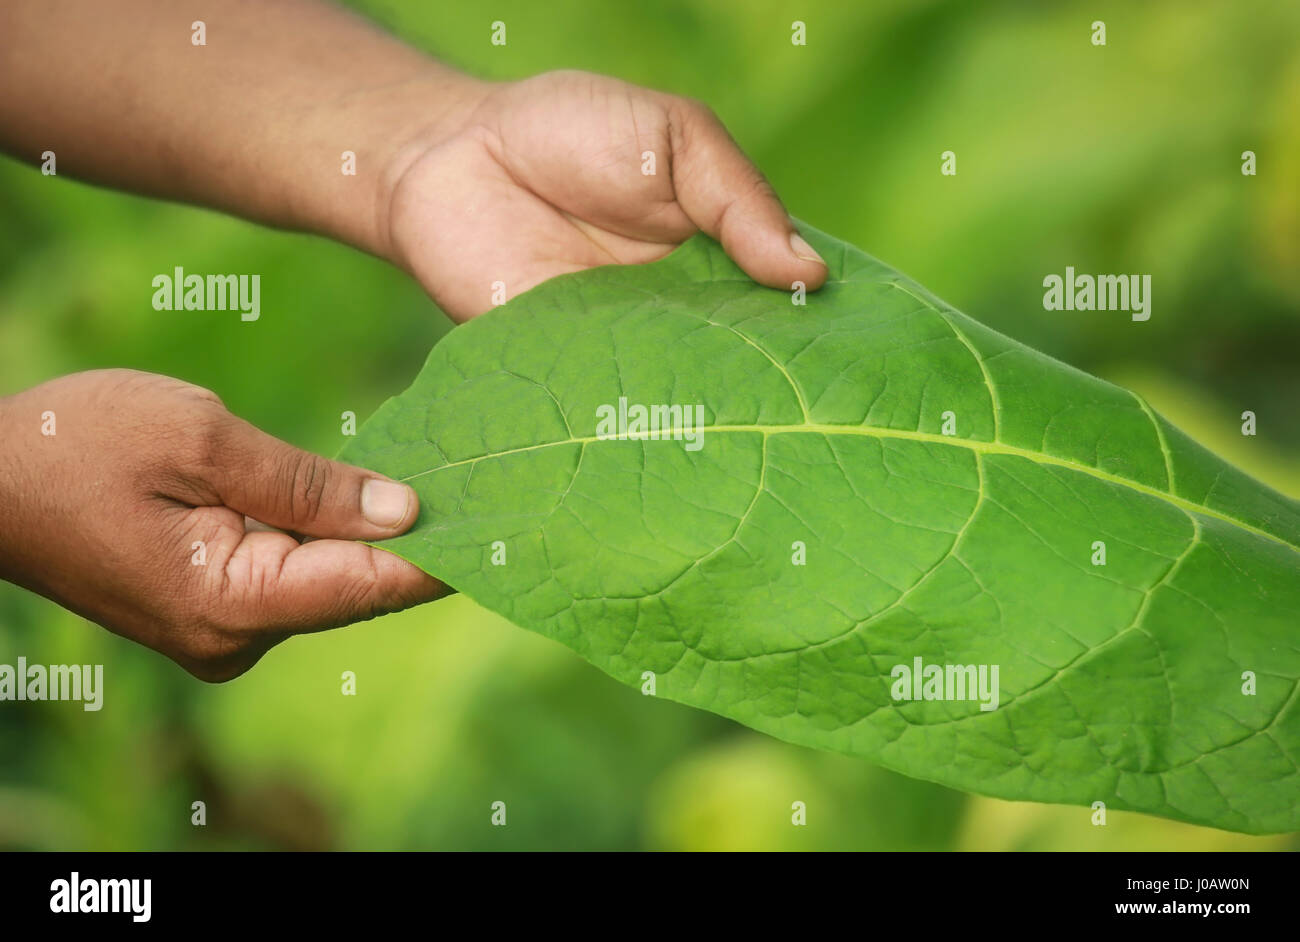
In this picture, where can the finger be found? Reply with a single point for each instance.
(726, 196)
(278, 586)
(277, 484)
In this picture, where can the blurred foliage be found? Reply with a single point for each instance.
(1124, 158)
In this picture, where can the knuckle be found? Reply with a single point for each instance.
(203, 394)
(751, 188)
(307, 478)
(756, 183)
(155, 389)
(695, 108)
(756, 186)
(205, 443)
(705, 125)
(705, 112)
(361, 599)
(692, 125)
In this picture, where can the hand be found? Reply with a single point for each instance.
(104, 516)
(544, 176)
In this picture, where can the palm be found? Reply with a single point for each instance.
(553, 175)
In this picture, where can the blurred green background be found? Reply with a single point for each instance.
(1123, 158)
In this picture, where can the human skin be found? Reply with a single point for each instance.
(104, 515)
(460, 182)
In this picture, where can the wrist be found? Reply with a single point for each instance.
(384, 126)
(415, 131)
(397, 125)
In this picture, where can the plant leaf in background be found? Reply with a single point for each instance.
(879, 479)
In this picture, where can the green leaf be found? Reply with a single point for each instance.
(1121, 683)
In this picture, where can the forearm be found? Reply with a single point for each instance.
(255, 122)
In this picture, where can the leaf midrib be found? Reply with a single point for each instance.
(984, 448)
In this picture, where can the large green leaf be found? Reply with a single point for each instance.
(1120, 683)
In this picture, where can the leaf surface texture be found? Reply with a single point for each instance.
(1120, 683)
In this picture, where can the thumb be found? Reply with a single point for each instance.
(726, 196)
(285, 487)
